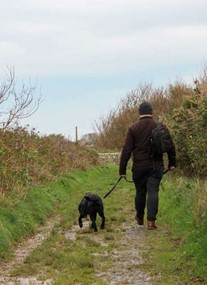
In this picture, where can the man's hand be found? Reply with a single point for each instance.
(172, 167)
(169, 168)
(123, 175)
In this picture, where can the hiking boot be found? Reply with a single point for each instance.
(151, 225)
(140, 221)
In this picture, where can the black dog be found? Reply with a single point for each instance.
(91, 204)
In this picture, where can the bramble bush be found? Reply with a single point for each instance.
(28, 159)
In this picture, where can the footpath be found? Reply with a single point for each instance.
(125, 259)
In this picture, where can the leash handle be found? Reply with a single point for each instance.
(113, 187)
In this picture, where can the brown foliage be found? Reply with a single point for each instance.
(27, 159)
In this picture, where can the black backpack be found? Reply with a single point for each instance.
(160, 140)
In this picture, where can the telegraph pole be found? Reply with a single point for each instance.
(76, 134)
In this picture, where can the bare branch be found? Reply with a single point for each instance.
(16, 102)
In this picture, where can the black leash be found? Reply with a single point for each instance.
(113, 187)
(130, 181)
(116, 185)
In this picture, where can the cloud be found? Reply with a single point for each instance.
(85, 54)
(95, 36)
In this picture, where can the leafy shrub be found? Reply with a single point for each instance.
(188, 123)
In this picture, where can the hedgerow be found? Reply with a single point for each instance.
(27, 158)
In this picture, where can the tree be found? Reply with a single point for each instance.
(89, 139)
(16, 101)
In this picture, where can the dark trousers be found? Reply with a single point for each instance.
(147, 182)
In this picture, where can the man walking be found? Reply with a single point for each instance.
(147, 172)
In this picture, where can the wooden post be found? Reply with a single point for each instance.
(76, 134)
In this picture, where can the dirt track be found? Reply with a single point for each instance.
(126, 257)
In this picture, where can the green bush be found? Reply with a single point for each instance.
(188, 123)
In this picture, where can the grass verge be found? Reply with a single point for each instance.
(177, 251)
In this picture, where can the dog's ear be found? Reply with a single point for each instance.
(87, 195)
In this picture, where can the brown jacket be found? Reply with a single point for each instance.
(137, 143)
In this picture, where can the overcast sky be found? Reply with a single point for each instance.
(87, 54)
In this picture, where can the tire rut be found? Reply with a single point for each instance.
(21, 252)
